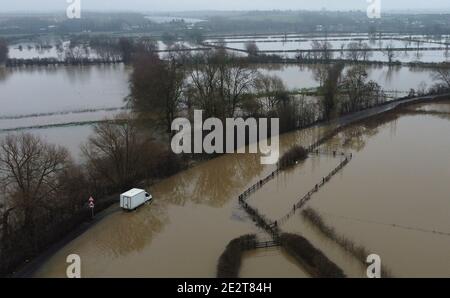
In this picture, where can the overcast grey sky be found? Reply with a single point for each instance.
(178, 5)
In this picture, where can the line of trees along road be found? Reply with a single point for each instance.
(41, 189)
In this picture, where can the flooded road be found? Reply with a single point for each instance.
(398, 178)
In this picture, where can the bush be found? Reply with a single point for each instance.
(294, 155)
(230, 260)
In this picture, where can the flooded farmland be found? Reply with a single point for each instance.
(64, 101)
(392, 198)
(54, 102)
(410, 48)
(39, 90)
(392, 78)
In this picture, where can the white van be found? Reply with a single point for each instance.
(134, 198)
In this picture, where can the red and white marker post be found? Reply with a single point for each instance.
(91, 206)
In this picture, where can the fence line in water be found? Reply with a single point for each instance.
(272, 226)
(307, 197)
(392, 225)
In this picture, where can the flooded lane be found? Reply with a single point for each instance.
(183, 233)
(398, 176)
(194, 216)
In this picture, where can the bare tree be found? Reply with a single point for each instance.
(359, 93)
(322, 50)
(315, 47)
(358, 51)
(272, 90)
(156, 88)
(130, 48)
(389, 52)
(422, 89)
(126, 48)
(75, 53)
(442, 76)
(328, 102)
(365, 51)
(116, 152)
(354, 52)
(220, 82)
(320, 73)
(145, 45)
(30, 172)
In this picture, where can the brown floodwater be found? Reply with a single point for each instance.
(182, 234)
(390, 199)
(269, 263)
(53, 100)
(393, 198)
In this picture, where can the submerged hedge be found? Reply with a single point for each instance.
(291, 157)
(312, 259)
(358, 251)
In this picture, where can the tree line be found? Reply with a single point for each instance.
(43, 192)
(3, 51)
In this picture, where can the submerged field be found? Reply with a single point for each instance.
(64, 101)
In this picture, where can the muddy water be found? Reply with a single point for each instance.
(38, 90)
(182, 234)
(269, 263)
(399, 176)
(394, 195)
